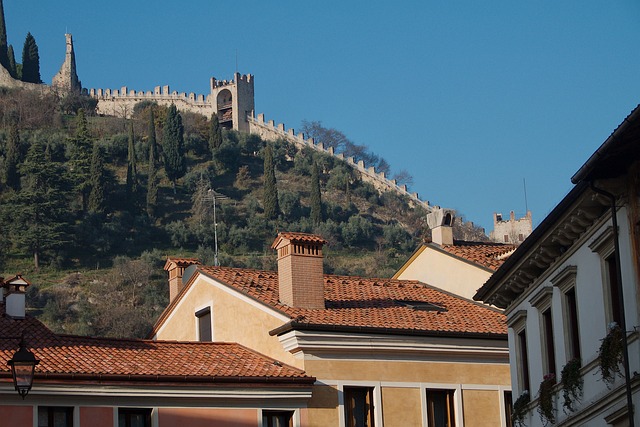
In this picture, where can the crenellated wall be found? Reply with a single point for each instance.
(270, 131)
(120, 102)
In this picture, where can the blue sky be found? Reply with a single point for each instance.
(470, 97)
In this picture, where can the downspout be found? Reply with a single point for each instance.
(623, 320)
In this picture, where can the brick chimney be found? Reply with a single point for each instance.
(440, 221)
(300, 273)
(176, 267)
(13, 292)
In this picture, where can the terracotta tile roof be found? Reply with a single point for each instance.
(355, 302)
(486, 254)
(108, 359)
(298, 237)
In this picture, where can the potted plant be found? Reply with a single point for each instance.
(610, 354)
(520, 409)
(545, 400)
(572, 383)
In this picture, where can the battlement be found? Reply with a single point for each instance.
(161, 92)
(237, 79)
(270, 131)
(511, 230)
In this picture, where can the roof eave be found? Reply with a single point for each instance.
(301, 326)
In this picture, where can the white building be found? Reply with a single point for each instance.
(562, 291)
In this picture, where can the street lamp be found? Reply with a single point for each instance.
(23, 365)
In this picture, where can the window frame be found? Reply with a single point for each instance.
(450, 397)
(294, 419)
(457, 400)
(70, 411)
(604, 246)
(566, 282)
(376, 395)
(200, 313)
(542, 302)
(518, 324)
(148, 413)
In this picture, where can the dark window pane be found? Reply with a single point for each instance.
(548, 339)
(508, 407)
(277, 418)
(204, 324)
(54, 416)
(358, 403)
(440, 408)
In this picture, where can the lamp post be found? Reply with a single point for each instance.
(23, 365)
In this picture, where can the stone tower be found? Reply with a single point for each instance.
(67, 78)
(233, 101)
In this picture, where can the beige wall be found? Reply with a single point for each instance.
(323, 407)
(233, 321)
(402, 407)
(481, 408)
(446, 272)
(411, 372)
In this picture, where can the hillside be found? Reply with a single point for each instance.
(79, 223)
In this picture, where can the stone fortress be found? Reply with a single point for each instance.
(233, 102)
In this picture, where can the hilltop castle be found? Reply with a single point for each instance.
(232, 101)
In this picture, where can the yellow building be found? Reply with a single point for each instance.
(383, 352)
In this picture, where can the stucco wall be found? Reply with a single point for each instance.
(402, 407)
(233, 321)
(205, 417)
(16, 415)
(446, 272)
(96, 416)
(481, 408)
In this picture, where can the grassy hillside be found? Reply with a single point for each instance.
(100, 269)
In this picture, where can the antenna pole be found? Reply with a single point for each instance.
(236, 60)
(526, 205)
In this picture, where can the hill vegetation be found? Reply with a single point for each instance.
(91, 206)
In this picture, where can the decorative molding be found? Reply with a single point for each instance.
(565, 278)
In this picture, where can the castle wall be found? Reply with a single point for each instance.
(7, 81)
(513, 230)
(120, 102)
(269, 131)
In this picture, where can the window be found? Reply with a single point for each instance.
(524, 361)
(604, 246)
(54, 416)
(440, 408)
(506, 238)
(134, 417)
(547, 327)
(508, 408)
(358, 406)
(542, 301)
(204, 324)
(277, 418)
(571, 307)
(613, 288)
(565, 280)
(517, 323)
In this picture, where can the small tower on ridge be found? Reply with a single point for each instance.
(67, 78)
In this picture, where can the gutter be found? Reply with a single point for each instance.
(300, 326)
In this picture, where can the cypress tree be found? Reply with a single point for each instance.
(132, 170)
(97, 195)
(11, 176)
(13, 68)
(271, 207)
(4, 58)
(80, 158)
(152, 184)
(316, 200)
(30, 61)
(173, 146)
(215, 135)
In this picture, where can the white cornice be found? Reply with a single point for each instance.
(336, 345)
(193, 392)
